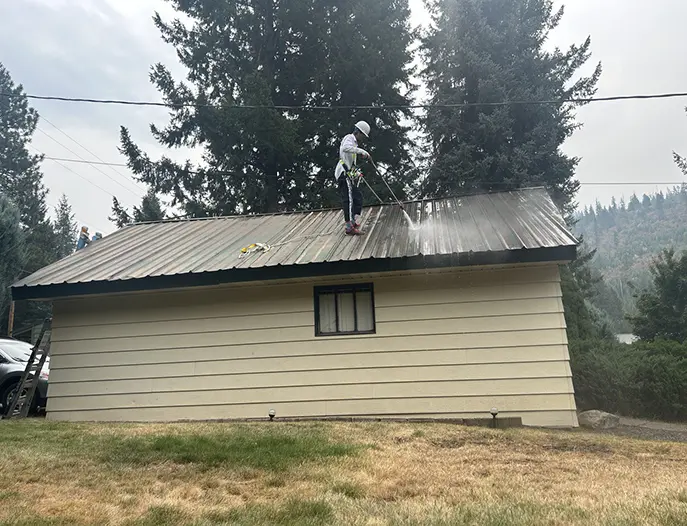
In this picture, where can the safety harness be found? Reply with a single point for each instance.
(354, 174)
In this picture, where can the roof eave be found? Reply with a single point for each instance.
(559, 254)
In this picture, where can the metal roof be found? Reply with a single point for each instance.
(497, 222)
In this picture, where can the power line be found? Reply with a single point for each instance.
(72, 151)
(75, 173)
(632, 183)
(355, 107)
(583, 183)
(101, 163)
(75, 218)
(93, 154)
(104, 163)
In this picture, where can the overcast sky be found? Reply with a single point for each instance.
(104, 48)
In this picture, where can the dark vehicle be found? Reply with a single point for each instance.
(14, 354)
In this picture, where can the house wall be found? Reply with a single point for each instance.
(447, 345)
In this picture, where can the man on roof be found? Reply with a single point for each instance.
(348, 176)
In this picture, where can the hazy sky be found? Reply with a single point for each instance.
(104, 48)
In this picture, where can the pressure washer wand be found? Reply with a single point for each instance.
(387, 184)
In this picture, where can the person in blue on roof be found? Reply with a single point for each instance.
(348, 176)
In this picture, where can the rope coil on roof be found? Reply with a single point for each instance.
(264, 247)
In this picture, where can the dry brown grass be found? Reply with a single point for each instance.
(402, 474)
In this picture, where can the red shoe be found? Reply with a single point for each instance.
(352, 229)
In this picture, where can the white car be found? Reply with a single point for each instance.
(14, 355)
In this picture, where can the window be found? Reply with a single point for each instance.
(345, 309)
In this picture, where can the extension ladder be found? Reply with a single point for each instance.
(26, 390)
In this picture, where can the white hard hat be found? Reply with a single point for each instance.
(363, 127)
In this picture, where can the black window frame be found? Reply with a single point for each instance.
(344, 289)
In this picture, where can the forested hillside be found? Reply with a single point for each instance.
(626, 237)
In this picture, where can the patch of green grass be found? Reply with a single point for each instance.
(47, 437)
(292, 513)
(418, 433)
(240, 448)
(352, 491)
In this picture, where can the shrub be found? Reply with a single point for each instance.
(603, 375)
(661, 380)
(645, 379)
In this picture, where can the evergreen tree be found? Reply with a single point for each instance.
(660, 210)
(20, 177)
(150, 210)
(482, 52)
(12, 250)
(120, 216)
(580, 285)
(277, 53)
(662, 309)
(489, 51)
(634, 203)
(22, 182)
(680, 161)
(66, 229)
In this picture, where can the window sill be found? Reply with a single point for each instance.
(353, 333)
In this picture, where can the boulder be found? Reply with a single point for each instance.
(598, 420)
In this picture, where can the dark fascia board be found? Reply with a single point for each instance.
(279, 272)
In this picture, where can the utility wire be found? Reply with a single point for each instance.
(82, 161)
(75, 218)
(98, 169)
(355, 107)
(93, 154)
(75, 173)
(583, 183)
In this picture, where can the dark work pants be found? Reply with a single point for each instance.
(351, 198)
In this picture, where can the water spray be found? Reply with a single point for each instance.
(405, 214)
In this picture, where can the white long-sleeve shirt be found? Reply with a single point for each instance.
(348, 152)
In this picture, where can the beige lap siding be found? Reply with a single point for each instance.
(447, 345)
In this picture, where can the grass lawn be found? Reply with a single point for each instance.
(316, 474)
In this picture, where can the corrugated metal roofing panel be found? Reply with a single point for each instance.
(495, 222)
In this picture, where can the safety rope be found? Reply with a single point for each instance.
(306, 237)
(371, 190)
(264, 247)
